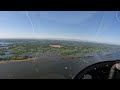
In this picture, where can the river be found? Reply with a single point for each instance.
(49, 66)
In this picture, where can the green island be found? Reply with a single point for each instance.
(109, 55)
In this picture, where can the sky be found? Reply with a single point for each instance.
(97, 26)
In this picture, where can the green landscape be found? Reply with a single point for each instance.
(21, 50)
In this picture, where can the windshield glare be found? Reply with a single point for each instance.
(56, 44)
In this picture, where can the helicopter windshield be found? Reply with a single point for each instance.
(56, 44)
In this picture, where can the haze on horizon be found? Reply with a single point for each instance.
(97, 26)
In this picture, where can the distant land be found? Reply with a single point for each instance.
(60, 39)
(22, 49)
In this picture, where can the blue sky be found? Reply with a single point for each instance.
(99, 26)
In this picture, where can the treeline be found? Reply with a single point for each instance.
(17, 57)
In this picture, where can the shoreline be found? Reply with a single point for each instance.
(11, 61)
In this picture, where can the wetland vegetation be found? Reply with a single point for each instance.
(24, 49)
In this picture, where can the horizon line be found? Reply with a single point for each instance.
(66, 40)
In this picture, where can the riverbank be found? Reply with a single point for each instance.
(11, 61)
